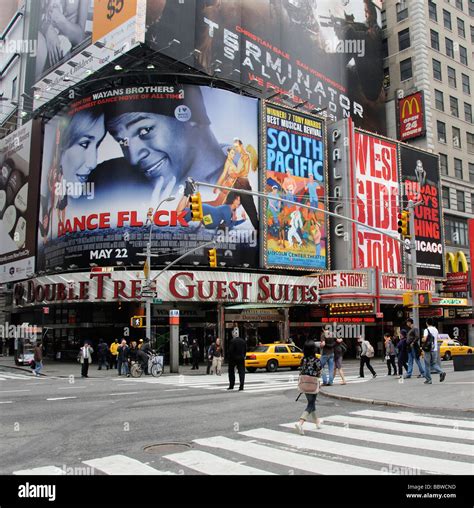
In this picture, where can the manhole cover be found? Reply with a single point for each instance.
(167, 447)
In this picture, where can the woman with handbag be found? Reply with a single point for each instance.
(308, 384)
(340, 349)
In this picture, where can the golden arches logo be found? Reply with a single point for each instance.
(454, 259)
(411, 103)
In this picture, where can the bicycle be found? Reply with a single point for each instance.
(156, 365)
(135, 369)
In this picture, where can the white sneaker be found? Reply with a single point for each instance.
(299, 428)
(318, 423)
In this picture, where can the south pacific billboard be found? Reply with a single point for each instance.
(375, 202)
(19, 175)
(295, 170)
(325, 54)
(114, 171)
(420, 183)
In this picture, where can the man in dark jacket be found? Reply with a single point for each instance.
(237, 350)
(102, 351)
(414, 350)
(327, 355)
(143, 355)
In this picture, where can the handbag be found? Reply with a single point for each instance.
(308, 384)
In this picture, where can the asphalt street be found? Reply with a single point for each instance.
(105, 425)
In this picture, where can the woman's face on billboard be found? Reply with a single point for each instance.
(79, 159)
(157, 145)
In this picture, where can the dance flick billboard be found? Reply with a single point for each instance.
(295, 170)
(326, 53)
(115, 166)
(375, 203)
(420, 166)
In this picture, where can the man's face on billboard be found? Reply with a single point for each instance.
(157, 145)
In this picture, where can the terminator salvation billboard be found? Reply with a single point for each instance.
(376, 203)
(19, 174)
(418, 165)
(295, 170)
(328, 53)
(115, 166)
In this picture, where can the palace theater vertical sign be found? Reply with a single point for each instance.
(375, 202)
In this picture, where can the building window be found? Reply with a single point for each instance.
(446, 200)
(461, 29)
(405, 69)
(441, 126)
(461, 201)
(404, 39)
(470, 6)
(467, 112)
(432, 10)
(470, 142)
(384, 48)
(439, 100)
(459, 4)
(463, 55)
(466, 85)
(471, 172)
(456, 231)
(386, 77)
(447, 19)
(458, 168)
(453, 105)
(402, 11)
(437, 70)
(451, 77)
(384, 19)
(443, 164)
(449, 47)
(472, 34)
(14, 88)
(434, 40)
(456, 137)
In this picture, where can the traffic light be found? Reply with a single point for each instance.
(212, 258)
(138, 322)
(403, 223)
(424, 298)
(196, 207)
(408, 299)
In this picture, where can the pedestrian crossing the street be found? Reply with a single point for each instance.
(254, 383)
(366, 442)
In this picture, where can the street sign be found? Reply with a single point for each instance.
(157, 300)
(174, 316)
(148, 294)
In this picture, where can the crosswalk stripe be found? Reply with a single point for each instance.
(412, 417)
(392, 439)
(46, 470)
(121, 464)
(208, 463)
(430, 431)
(285, 458)
(386, 457)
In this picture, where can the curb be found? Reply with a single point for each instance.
(388, 403)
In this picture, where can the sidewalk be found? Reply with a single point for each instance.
(455, 393)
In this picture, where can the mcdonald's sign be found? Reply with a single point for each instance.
(411, 116)
(457, 274)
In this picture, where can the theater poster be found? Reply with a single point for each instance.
(115, 166)
(420, 166)
(295, 170)
(375, 202)
(325, 54)
(19, 179)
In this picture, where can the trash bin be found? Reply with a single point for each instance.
(464, 362)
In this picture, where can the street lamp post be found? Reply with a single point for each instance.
(147, 267)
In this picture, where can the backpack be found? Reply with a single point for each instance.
(370, 350)
(427, 346)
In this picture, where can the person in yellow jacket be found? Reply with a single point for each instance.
(114, 353)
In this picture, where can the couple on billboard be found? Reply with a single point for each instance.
(160, 141)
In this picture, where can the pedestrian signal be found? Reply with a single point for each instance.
(424, 298)
(196, 207)
(403, 223)
(407, 299)
(212, 258)
(137, 322)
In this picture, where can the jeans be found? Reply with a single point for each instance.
(329, 359)
(311, 398)
(390, 364)
(85, 368)
(38, 367)
(411, 359)
(103, 362)
(124, 368)
(240, 364)
(432, 363)
(365, 360)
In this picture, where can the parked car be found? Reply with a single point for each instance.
(273, 356)
(449, 347)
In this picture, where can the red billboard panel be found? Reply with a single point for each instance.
(375, 202)
(411, 117)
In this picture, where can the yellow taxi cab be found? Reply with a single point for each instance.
(449, 347)
(273, 356)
